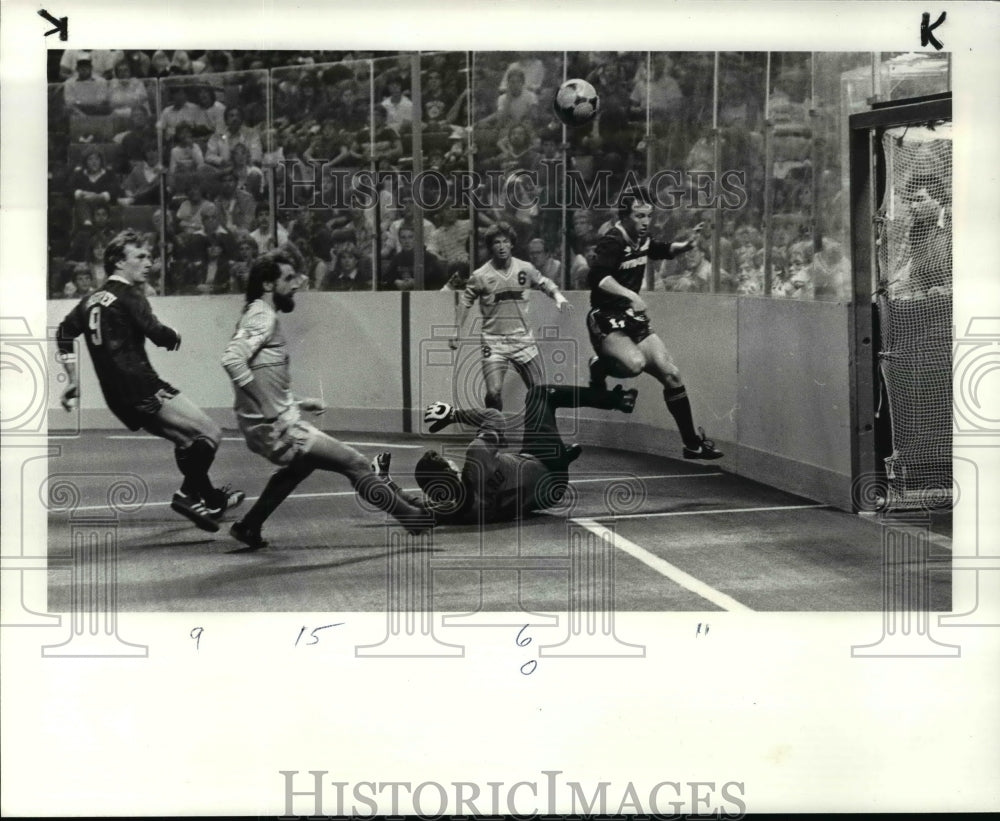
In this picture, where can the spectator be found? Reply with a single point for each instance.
(102, 62)
(138, 134)
(799, 282)
(450, 239)
(532, 70)
(189, 211)
(239, 267)
(88, 244)
(139, 63)
(400, 273)
(142, 185)
(237, 208)
(125, 92)
(543, 261)
(248, 177)
(407, 214)
(181, 111)
(159, 65)
(398, 107)
(351, 109)
(381, 146)
(516, 104)
(92, 184)
(350, 271)
(695, 274)
(216, 279)
(81, 283)
(220, 146)
(85, 94)
(182, 65)
(262, 235)
(517, 149)
(186, 158)
(212, 113)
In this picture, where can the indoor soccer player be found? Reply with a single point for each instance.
(494, 485)
(619, 328)
(116, 321)
(502, 287)
(269, 416)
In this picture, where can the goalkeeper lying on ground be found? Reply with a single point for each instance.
(495, 485)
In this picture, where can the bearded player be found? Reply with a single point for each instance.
(270, 417)
(116, 321)
(619, 328)
(502, 287)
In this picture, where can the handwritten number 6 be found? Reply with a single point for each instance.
(527, 639)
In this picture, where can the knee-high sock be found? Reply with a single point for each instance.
(194, 462)
(680, 408)
(279, 486)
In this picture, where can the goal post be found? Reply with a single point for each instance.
(902, 305)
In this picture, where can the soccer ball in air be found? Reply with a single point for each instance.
(576, 103)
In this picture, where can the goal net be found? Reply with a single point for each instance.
(914, 265)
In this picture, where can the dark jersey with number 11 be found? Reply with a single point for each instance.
(116, 322)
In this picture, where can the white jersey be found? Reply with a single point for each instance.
(258, 353)
(504, 296)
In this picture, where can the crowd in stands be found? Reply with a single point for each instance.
(192, 149)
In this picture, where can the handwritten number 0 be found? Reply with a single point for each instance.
(532, 664)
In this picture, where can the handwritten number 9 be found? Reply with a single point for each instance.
(196, 635)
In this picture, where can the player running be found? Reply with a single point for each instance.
(619, 328)
(495, 485)
(269, 416)
(116, 321)
(502, 287)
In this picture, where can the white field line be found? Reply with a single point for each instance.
(663, 567)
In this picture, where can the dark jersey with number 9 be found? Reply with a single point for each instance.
(116, 322)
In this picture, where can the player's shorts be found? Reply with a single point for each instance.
(601, 323)
(145, 411)
(519, 348)
(279, 441)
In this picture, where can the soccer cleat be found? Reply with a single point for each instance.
(439, 416)
(572, 453)
(625, 398)
(249, 536)
(598, 381)
(705, 450)
(380, 464)
(225, 499)
(194, 509)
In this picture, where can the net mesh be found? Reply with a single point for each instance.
(915, 313)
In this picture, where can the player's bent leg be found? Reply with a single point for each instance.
(661, 366)
(621, 357)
